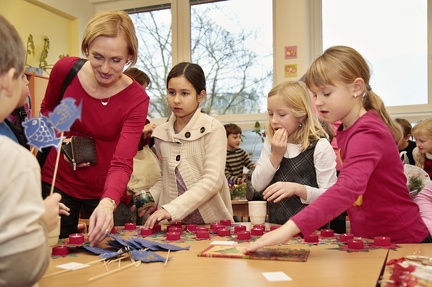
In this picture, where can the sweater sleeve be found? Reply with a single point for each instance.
(264, 170)
(424, 201)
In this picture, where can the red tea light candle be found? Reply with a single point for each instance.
(130, 226)
(226, 222)
(76, 238)
(191, 228)
(382, 241)
(113, 230)
(202, 228)
(174, 229)
(60, 250)
(239, 228)
(202, 234)
(146, 231)
(327, 233)
(257, 231)
(273, 227)
(216, 226)
(157, 228)
(355, 244)
(172, 235)
(177, 224)
(261, 226)
(223, 232)
(243, 235)
(311, 238)
(345, 237)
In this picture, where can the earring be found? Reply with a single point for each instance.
(128, 62)
(355, 95)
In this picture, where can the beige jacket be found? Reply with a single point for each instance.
(199, 152)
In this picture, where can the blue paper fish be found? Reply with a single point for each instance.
(40, 133)
(65, 114)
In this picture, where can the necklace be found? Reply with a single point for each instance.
(105, 103)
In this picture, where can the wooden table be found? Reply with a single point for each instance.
(423, 249)
(324, 267)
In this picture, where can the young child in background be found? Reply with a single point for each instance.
(26, 219)
(406, 146)
(191, 147)
(237, 158)
(297, 163)
(372, 173)
(422, 132)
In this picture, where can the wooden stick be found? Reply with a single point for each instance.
(166, 260)
(56, 163)
(136, 264)
(66, 270)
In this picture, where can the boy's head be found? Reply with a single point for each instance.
(233, 133)
(12, 55)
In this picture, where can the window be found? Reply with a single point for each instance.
(393, 37)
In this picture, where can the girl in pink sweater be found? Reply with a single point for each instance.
(371, 185)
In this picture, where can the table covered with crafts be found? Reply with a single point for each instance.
(210, 260)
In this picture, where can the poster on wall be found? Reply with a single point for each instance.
(290, 52)
(290, 70)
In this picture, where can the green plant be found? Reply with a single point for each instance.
(260, 136)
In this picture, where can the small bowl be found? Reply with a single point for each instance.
(355, 244)
(76, 238)
(176, 223)
(172, 228)
(202, 234)
(172, 235)
(238, 228)
(311, 238)
(157, 228)
(113, 230)
(191, 228)
(382, 241)
(60, 250)
(243, 235)
(327, 233)
(344, 237)
(226, 222)
(130, 226)
(146, 231)
(224, 232)
(256, 231)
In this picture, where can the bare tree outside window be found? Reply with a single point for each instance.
(238, 69)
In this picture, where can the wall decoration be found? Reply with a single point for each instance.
(290, 70)
(290, 52)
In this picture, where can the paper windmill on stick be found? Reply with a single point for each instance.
(42, 131)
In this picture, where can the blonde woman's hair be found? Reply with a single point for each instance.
(344, 64)
(297, 100)
(112, 24)
(422, 129)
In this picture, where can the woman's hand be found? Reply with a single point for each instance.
(64, 209)
(148, 130)
(101, 221)
(52, 209)
(156, 217)
(280, 190)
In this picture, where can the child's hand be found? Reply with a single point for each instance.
(280, 190)
(279, 144)
(156, 217)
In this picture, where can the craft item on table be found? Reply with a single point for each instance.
(327, 233)
(191, 228)
(382, 241)
(74, 240)
(130, 226)
(60, 250)
(407, 274)
(238, 228)
(202, 234)
(157, 246)
(167, 257)
(257, 231)
(147, 256)
(157, 228)
(311, 238)
(173, 235)
(113, 230)
(266, 253)
(41, 131)
(174, 229)
(260, 226)
(224, 232)
(226, 222)
(177, 223)
(244, 235)
(344, 237)
(146, 231)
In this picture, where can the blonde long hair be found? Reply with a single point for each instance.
(297, 99)
(344, 64)
(422, 130)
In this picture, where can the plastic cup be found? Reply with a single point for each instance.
(257, 211)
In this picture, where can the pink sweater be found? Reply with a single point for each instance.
(116, 128)
(424, 201)
(372, 169)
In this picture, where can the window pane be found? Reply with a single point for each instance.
(392, 36)
(233, 45)
(154, 55)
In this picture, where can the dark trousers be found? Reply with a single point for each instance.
(69, 224)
